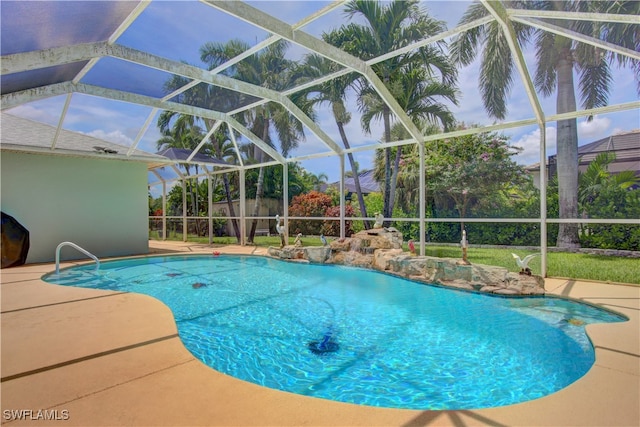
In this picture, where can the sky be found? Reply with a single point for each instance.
(175, 30)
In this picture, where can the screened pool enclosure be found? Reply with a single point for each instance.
(130, 71)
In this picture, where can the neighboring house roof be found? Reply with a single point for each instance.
(625, 145)
(23, 135)
(367, 183)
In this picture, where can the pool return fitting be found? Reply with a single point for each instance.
(73, 245)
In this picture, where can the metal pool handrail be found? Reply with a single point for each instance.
(73, 245)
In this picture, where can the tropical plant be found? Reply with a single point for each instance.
(316, 181)
(612, 201)
(311, 204)
(596, 178)
(557, 58)
(334, 93)
(219, 145)
(603, 194)
(388, 27)
(471, 168)
(182, 133)
(332, 227)
(224, 150)
(299, 181)
(268, 68)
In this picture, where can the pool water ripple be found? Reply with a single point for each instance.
(394, 343)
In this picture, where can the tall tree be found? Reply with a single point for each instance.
(218, 146)
(408, 186)
(387, 27)
(557, 58)
(224, 150)
(268, 68)
(417, 94)
(334, 93)
(470, 168)
(181, 133)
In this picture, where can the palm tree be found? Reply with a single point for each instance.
(387, 27)
(334, 93)
(416, 93)
(557, 58)
(184, 134)
(217, 99)
(268, 68)
(223, 149)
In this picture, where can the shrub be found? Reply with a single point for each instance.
(612, 202)
(332, 228)
(311, 204)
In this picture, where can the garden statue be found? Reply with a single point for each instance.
(464, 244)
(298, 241)
(412, 247)
(280, 230)
(379, 220)
(524, 263)
(323, 240)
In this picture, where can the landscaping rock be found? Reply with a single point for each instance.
(317, 254)
(381, 249)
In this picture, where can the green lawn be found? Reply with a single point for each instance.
(559, 264)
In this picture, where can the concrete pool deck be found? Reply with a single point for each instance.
(102, 358)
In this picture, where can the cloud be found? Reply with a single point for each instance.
(116, 136)
(530, 143)
(49, 114)
(595, 128)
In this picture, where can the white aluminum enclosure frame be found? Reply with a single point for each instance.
(95, 51)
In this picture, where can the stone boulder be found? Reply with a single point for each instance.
(381, 249)
(313, 254)
(389, 259)
(286, 252)
(317, 254)
(450, 272)
(377, 238)
(354, 258)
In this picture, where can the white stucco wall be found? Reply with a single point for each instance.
(98, 204)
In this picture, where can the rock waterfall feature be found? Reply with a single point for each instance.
(381, 249)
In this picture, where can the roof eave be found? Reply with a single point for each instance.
(152, 162)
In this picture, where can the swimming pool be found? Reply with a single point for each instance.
(360, 336)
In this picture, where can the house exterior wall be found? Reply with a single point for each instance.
(98, 204)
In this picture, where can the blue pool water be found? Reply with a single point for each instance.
(360, 336)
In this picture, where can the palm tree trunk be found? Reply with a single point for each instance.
(567, 142)
(194, 201)
(192, 196)
(259, 184)
(258, 202)
(232, 211)
(227, 190)
(387, 212)
(394, 178)
(356, 178)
